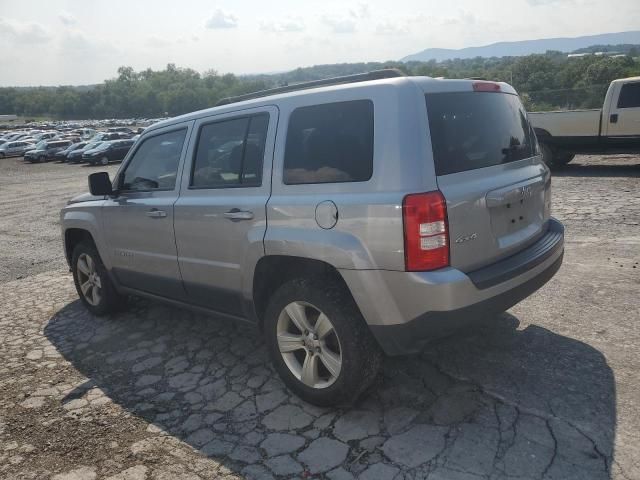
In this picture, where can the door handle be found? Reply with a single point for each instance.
(613, 118)
(155, 213)
(236, 214)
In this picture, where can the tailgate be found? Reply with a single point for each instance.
(496, 188)
(495, 212)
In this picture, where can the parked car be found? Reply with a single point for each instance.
(76, 155)
(105, 136)
(125, 130)
(613, 129)
(62, 155)
(13, 136)
(14, 149)
(353, 216)
(45, 150)
(108, 152)
(46, 136)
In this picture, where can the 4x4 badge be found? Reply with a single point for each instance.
(466, 238)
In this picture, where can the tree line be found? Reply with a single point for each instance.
(545, 81)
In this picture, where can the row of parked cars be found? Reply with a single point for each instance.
(84, 145)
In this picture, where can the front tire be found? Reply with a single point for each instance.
(92, 281)
(319, 342)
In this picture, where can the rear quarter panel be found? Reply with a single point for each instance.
(369, 230)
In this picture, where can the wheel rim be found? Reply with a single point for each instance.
(89, 280)
(309, 345)
(105, 160)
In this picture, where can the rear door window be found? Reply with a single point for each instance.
(330, 143)
(472, 130)
(629, 96)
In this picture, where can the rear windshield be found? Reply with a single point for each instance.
(472, 130)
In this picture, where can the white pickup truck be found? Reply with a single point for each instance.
(613, 129)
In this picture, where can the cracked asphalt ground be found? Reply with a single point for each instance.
(547, 390)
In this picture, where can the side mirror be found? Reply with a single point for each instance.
(99, 184)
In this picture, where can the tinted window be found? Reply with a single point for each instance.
(472, 130)
(330, 143)
(230, 153)
(154, 165)
(629, 96)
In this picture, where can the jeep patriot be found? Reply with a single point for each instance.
(346, 218)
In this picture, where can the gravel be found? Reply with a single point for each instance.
(549, 389)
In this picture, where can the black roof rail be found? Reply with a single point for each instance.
(358, 77)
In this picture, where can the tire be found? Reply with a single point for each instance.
(349, 341)
(104, 161)
(100, 297)
(561, 159)
(42, 159)
(553, 158)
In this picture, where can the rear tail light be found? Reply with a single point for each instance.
(426, 233)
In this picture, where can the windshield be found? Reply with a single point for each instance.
(103, 146)
(41, 145)
(472, 130)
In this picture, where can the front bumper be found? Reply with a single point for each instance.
(406, 310)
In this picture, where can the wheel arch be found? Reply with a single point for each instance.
(74, 236)
(272, 271)
(541, 133)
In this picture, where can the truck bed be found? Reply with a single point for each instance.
(568, 123)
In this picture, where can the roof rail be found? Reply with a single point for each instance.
(358, 77)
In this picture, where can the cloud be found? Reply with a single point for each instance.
(539, 3)
(340, 24)
(155, 41)
(288, 25)
(389, 27)
(75, 45)
(221, 19)
(23, 33)
(464, 18)
(360, 11)
(67, 19)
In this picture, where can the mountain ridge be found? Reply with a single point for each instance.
(525, 47)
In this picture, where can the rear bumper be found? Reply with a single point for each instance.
(406, 310)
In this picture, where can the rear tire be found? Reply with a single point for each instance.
(92, 281)
(563, 158)
(553, 158)
(104, 161)
(341, 353)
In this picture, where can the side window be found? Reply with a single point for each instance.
(629, 95)
(154, 165)
(230, 153)
(330, 143)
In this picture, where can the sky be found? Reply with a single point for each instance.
(76, 42)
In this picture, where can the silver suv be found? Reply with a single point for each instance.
(345, 218)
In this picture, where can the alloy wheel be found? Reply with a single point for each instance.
(88, 279)
(309, 345)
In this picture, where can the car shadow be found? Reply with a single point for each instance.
(492, 401)
(628, 166)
